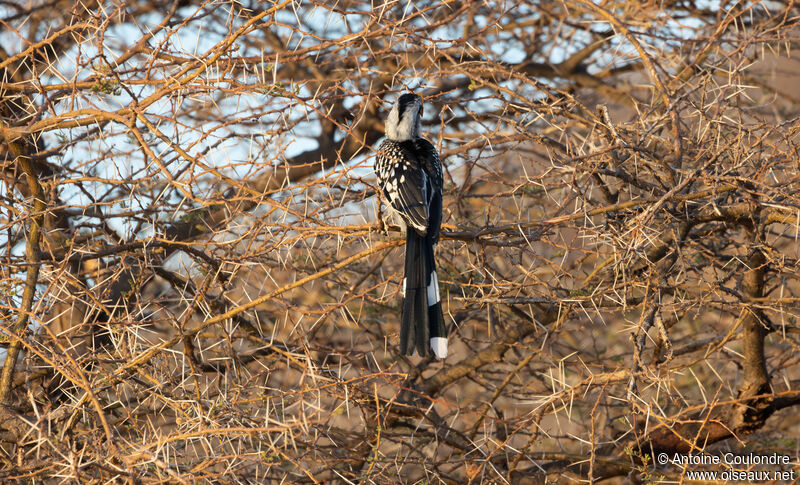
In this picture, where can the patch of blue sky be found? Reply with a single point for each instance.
(225, 147)
(670, 31)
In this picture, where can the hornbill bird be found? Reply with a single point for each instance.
(409, 173)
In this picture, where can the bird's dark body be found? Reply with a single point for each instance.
(410, 175)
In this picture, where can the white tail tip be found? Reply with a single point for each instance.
(439, 346)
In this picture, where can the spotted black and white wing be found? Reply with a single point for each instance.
(404, 182)
(432, 166)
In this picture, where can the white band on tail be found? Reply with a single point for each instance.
(433, 290)
(439, 346)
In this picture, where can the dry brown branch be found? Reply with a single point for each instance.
(32, 250)
(195, 286)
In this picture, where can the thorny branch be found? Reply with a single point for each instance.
(195, 287)
(32, 259)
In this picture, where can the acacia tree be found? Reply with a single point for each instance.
(196, 287)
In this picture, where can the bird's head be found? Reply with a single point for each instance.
(404, 118)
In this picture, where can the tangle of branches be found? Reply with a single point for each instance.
(194, 286)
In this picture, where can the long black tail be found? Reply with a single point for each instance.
(422, 328)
